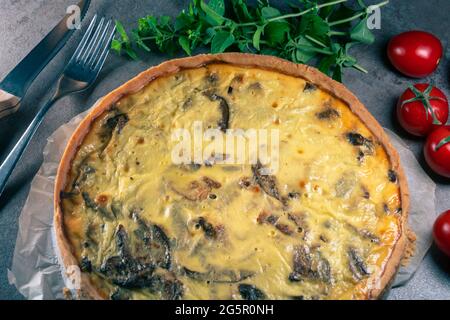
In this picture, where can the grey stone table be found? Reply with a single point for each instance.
(24, 23)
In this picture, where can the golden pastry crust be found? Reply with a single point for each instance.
(310, 74)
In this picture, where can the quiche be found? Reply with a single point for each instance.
(329, 223)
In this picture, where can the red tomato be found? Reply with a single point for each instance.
(441, 232)
(437, 151)
(421, 109)
(415, 53)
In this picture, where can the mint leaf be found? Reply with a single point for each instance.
(362, 33)
(210, 33)
(241, 10)
(327, 11)
(314, 26)
(304, 52)
(183, 21)
(337, 74)
(312, 30)
(326, 64)
(147, 26)
(116, 45)
(245, 47)
(144, 29)
(221, 41)
(341, 13)
(362, 4)
(123, 44)
(212, 16)
(121, 30)
(164, 21)
(270, 52)
(130, 52)
(275, 32)
(218, 6)
(269, 12)
(139, 42)
(185, 45)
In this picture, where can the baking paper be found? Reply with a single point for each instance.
(37, 273)
(422, 208)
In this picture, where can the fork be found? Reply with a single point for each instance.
(80, 73)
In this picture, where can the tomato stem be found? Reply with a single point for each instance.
(425, 98)
(443, 142)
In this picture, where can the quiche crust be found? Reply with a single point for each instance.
(310, 74)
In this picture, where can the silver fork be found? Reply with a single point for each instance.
(80, 73)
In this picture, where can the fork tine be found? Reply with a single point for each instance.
(84, 39)
(101, 60)
(88, 51)
(99, 46)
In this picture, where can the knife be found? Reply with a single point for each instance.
(15, 85)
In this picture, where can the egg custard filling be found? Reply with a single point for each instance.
(324, 226)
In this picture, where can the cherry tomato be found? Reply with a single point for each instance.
(441, 232)
(415, 53)
(421, 109)
(437, 151)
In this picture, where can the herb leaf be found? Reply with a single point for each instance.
(319, 31)
(218, 6)
(275, 32)
(184, 43)
(304, 50)
(123, 44)
(361, 33)
(269, 12)
(212, 16)
(314, 26)
(221, 41)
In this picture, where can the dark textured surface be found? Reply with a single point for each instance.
(24, 23)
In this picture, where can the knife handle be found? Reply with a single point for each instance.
(8, 103)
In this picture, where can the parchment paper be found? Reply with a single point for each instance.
(37, 273)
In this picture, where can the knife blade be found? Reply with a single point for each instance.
(15, 85)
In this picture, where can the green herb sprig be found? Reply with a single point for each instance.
(310, 31)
